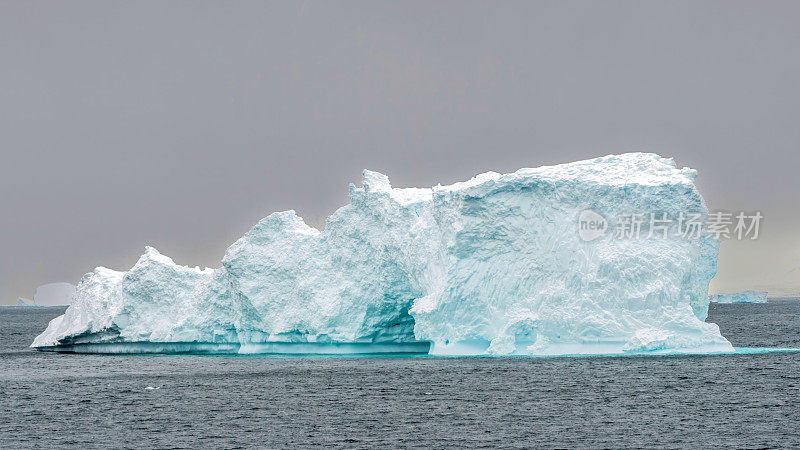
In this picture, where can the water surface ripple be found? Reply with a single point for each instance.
(91, 401)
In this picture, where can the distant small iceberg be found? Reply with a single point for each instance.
(51, 294)
(25, 302)
(739, 297)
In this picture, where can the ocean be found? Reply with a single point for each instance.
(93, 401)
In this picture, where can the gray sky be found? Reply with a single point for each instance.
(180, 124)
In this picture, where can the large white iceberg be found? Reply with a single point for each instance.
(493, 265)
(739, 297)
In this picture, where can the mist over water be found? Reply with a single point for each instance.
(89, 401)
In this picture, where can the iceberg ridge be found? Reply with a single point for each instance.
(493, 265)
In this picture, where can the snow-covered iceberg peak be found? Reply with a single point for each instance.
(493, 265)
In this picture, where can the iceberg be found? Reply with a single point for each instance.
(739, 297)
(25, 302)
(54, 294)
(491, 266)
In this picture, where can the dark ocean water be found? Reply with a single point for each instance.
(87, 401)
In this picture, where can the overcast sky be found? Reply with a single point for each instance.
(181, 124)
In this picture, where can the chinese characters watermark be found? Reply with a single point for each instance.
(662, 225)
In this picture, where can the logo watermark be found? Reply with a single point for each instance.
(591, 225)
(722, 225)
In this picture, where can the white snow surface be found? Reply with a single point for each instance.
(493, 265)
(739, 297)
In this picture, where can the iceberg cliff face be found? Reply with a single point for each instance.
(494, 265)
